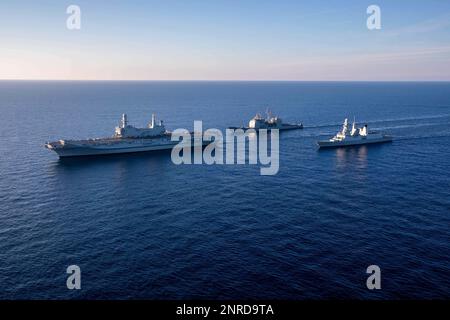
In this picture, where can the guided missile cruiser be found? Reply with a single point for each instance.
(270, 122)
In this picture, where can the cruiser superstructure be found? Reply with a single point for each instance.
(126, 139)
(270, 122)
(357, 136)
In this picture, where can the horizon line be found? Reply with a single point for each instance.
(212, 80)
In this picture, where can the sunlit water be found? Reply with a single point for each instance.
(141, 227)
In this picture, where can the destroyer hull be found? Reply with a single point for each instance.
(347, 143)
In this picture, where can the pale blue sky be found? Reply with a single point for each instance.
(225, 40)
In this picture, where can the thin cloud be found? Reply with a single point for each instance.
(403, 54)
(430, 25)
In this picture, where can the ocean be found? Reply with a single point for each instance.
(140, 227)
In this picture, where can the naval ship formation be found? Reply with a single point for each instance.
(128, 139)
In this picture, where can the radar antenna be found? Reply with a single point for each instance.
(353, 126)
(124, 121)
(268, 113)
(153, 121)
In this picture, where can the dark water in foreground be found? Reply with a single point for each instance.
(141, 227)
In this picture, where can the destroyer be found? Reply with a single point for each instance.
(357, 136)
(126, 139)
(270, 122)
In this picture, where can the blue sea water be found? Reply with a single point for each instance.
(141, 227)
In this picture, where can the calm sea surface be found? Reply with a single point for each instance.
(142, 227)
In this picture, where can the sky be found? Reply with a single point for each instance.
(225, 40)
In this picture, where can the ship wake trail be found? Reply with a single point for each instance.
(436, 126)
(437, 136)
